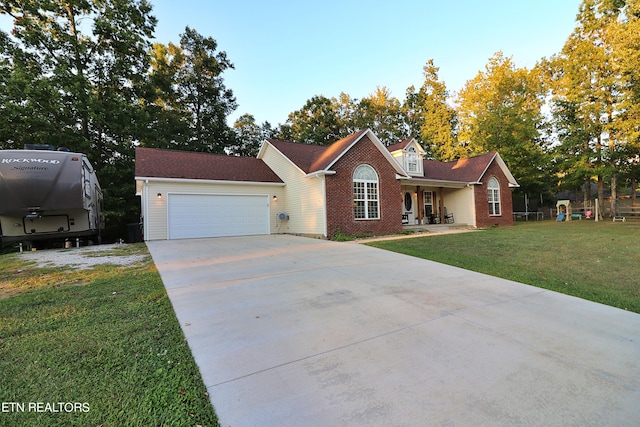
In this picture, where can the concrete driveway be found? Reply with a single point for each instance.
(289, 331)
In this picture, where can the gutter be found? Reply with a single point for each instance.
(319, 174)
(208, 181)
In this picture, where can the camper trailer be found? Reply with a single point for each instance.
(48, 195)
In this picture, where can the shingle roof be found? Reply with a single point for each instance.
(160, 163)
(464, 170)
(400, 145)
(312, 158)
(302, 155)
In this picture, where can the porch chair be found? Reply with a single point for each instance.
(448, 217)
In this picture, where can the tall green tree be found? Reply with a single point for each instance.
(76, 71)
(625, 40)
(501, 110)
(382, 113)
(317, 122)
(430, 118)
(589, 76)
(168, 122)
(249, 136)
(189, 94)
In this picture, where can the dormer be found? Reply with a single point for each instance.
(409, 155)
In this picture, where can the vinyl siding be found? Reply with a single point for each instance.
(304, 198)
(459, 202)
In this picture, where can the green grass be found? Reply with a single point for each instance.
(595, 261)
(106, 338)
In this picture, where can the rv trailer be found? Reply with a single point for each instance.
(48, 195)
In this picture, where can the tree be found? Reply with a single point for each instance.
(249, 136)
(625, 36)
(430, 118)
(592, 76)
(317, 122)
(501, 110)
(189, 94)
(76, 72)
(381, 113)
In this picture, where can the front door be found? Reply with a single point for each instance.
(408, 208)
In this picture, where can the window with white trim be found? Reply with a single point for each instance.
(493, 189)
(365, 193)
(412, 160)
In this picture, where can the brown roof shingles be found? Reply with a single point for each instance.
(400, 145)
(302, 155)
(313, 158)
(160, 163)
(464, 170)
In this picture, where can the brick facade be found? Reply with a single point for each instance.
(483, 219)
(339, 193)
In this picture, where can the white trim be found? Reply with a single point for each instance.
(379, 145)
(324, 204)
(319, 174)
(435, 182)
(366, 182)
(474, 208)
(145, 218)
(492, 191)
(262, 150)
(512, 181)
(209, 181)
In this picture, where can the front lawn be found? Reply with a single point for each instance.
(100, 347)
(598, 261)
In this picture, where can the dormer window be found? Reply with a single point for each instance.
(412, 161)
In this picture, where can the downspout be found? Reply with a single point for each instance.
(442, 221)
(473, 205)
(145, 216)
(324, 203)
(420, 207)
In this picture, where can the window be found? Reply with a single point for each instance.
(494, 197)
(412, 160)
(428, 203)
(365, 193)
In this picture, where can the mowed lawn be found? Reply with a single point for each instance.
(98, 347)
(598, 261)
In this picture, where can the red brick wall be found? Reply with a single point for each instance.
(483, 219)
(339, 188)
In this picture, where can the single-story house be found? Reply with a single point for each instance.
(355, 185)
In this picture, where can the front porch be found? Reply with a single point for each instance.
(425, 206)
(433, 228)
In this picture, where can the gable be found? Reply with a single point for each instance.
(409, 154)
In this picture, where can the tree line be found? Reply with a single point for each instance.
(88, 76)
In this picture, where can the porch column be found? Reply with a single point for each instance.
(420, 206)
(441, 205)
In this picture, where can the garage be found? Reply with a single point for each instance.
(217, 215)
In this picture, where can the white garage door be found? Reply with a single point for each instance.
(198, 215)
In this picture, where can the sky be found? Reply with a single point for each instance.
(285, 52)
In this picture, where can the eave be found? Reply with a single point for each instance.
(207, 181)
(435, 182)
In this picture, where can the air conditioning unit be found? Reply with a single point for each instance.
(283, 216)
